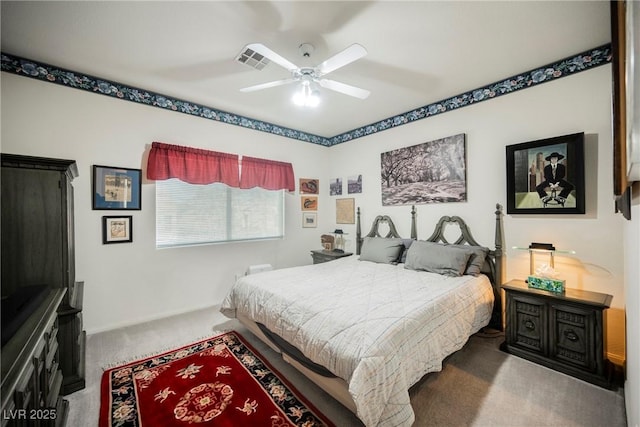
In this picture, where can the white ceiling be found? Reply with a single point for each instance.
(419, 52)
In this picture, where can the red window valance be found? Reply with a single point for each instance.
(267, 174)
(198, 166)
(192, 165)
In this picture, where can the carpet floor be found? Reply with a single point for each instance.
(478, 386)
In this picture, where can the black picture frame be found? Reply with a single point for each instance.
(116, 188)
(117, 229)
(526, 163)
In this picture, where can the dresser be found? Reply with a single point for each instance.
(38, 247)
(31, 374)
(320, 256)
(562, 331)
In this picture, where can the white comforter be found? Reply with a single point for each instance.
(380, 327)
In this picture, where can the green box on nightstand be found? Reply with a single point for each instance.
(545, 284)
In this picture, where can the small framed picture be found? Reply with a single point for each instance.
(354, 184)
(335, 187)
(309, 186)
(309, 203)
(309, 220)
(345, 211)
(116, 188)
(117, 229)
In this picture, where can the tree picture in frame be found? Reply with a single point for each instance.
(546, 176)
(431, 172)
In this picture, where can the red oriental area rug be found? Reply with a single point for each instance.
(221, 381)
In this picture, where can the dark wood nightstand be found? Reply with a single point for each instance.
(562, 331)
(320, 256)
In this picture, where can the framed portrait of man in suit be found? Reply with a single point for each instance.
(546, 176)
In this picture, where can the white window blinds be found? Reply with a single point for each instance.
(188, 214)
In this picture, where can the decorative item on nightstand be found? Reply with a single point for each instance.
(327, 242)
(339, 241)
(544, 276)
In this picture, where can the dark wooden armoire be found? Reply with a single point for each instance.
(38, 248)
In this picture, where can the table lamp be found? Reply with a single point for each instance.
(544, 276)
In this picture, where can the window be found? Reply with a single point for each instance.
(188, 214)
(205, 196)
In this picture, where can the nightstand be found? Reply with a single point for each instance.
(320, 256)
(562, 331)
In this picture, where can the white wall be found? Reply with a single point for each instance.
(130, 283)
(580, 103)
(632, 255)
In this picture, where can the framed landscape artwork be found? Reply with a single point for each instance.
(546, 176)
(432, 172)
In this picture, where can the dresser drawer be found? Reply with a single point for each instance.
(23, 394)
(51, 336)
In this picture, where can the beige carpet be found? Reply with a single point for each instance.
(483, 386)
(478, 386)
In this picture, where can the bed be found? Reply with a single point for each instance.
(366, 328)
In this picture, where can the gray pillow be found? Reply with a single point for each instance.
(381, 250)
(406, 243)
(476, 260)
(437, 258)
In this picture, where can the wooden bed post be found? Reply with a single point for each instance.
(497, 316)
(498, 245)
(414, 232)
(358, 233)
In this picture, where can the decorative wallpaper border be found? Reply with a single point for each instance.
(565, 67)
(49, 73)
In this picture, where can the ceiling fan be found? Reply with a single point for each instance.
(310, 77)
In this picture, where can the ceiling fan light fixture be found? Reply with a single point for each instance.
(310, 78)
(306, 97)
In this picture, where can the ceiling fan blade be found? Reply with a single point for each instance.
(271, 55)
(344, 88)
(340, 59)
(268, 85)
